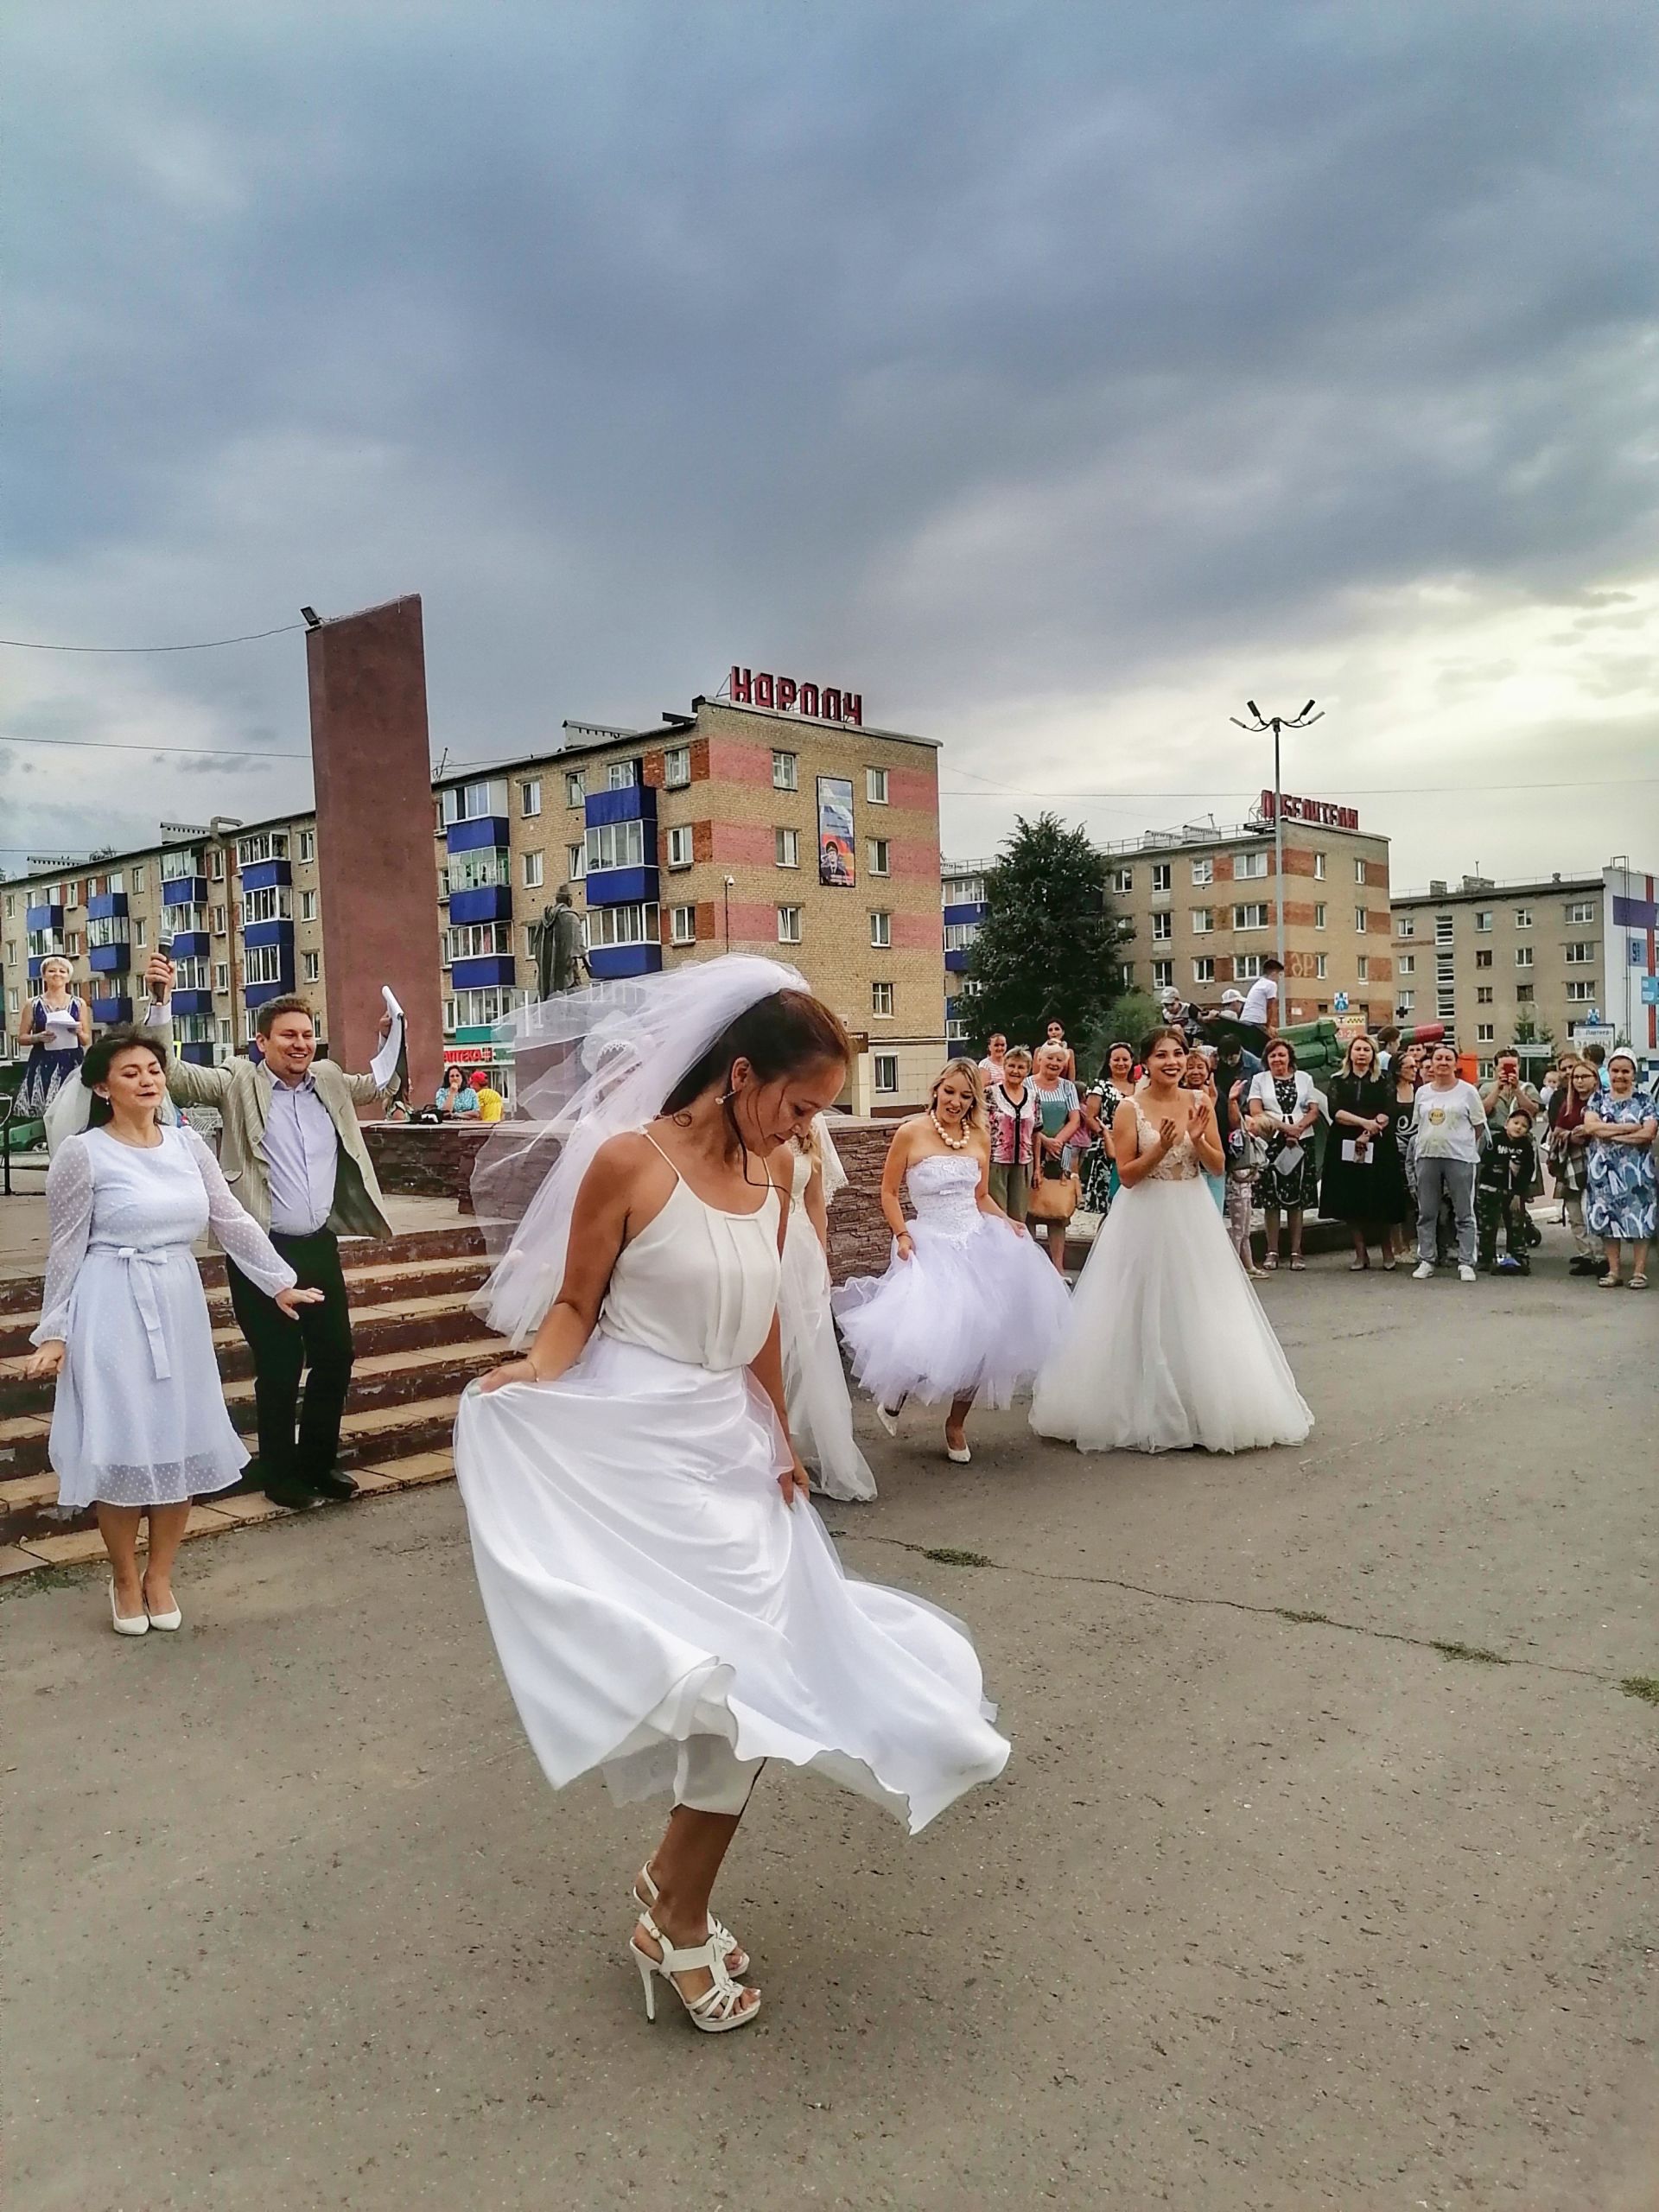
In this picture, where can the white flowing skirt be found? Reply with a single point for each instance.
(815, 1386)
(646, 1583)
(122, 1432)
(965, 1316)
(1167, 1346)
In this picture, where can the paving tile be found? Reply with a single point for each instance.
(71, 1550)
(14, 1560)
(418, 1467)
(28, 1490)
(250, 1507)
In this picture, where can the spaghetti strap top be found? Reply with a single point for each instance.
(697, 1284)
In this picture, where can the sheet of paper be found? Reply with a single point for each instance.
(383, 1066)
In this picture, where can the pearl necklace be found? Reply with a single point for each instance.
(956, 1144)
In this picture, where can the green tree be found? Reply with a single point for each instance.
(1050, 947)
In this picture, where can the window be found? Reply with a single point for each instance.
(480, 1010)
(682, 925)
(1580, 955)
(639, 924)
(1362, 968)
(1362, 920)
(1523, 956)
(72, 944)
(1579, 910)
(1408, 965)
(1204, 920)
(310, 965)
(879, 854)
(1359, 871)
(216, 865)
(275, 904)
(138, 876)
(615, 844)
(1485, 1031)
(622, 775)
(1163, 975)
(786, 848)
(1163, 928)
(880, 927)
(139, 932)
(250, 1024)
(1251, 917)
(676, 767)
(1122, 880)
(1321, 966)
(1483, 958)
(1442, 929)
(1484, 994)
(307, 845)
(1319, 866)
(225, 1033)
(1204, 871)
(13, 1003)
(269, 845)
(1483, 918)
(1524, 917)
(575, 787)
(115, 881)
(960, 890)
(575, 862)
(1204, 970)
(529, 796)
(1523, 994)
(1405, 1003)
(789, 925)
(1484, 1070)
(882, 1001)
(222, 921)
(958, 936)
(786, 772)
(473, 802)
(1319, 915)
(1161, 874)
(679, 845)
(875, 786)
(1405, 926)
(477, 940)
(308, 906)
(1250, 864)
(261, 964)
(222, 975)
(884, 1071)
(1246, 966)
(1582, 992)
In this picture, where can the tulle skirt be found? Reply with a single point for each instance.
(815, 1387)
(646, 1584)
(976, 1315)
(1167, 1346)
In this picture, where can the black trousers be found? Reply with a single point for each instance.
(319, 1341)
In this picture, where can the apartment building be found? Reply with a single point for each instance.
(740, 828)
(1535, 959)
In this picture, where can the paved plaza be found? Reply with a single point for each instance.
(1322, 1873)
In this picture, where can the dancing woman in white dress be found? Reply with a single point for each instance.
(815, 1387)
(665, 1603)
(968, 1309)
(139, 1425)
(1167, 1346)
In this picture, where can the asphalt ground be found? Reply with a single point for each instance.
(1322, 1873)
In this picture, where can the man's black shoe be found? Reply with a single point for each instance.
(336, 1484)
(289, 1490)
(1582, 1267)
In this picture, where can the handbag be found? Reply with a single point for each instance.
(1054, 1197)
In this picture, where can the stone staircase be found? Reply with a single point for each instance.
(418, 1348)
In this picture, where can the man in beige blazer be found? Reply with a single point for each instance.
(293, 1153)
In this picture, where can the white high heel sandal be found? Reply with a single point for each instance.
(721, 2006)
(888, 1417)
(126, 1624)
(644, 1895)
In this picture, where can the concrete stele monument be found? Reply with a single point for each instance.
(372, 759)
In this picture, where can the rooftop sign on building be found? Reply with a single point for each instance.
(818, 702)
(1324, 813)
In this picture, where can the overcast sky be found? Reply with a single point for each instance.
(1056, 374)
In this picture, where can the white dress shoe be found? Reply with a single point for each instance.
(127, 1624)
(168, 1621)
(959, 1456)
(888, 1417)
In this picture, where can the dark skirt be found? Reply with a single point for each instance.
(44, 1076)
(1371, 1196)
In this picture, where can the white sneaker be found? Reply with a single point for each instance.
(1466, 1275)
(1423, 1272)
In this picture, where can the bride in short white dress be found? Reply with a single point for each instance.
(1167, 1346)
(815, 1383)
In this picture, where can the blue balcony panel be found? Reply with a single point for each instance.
(485, 971)
(637, 803)
(43, 918)
(610, 960)
(194, 1001)
(955, 961)
(109, 1011)
(256, 993)
(620, 886)
(184, 891)
(189, 944)
(266, 875)
(269, 933)
(107, 906)
(975, 911)
(491, 902)
(477, 836)
(110, 959)
(201, 1056)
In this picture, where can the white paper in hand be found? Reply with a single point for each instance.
(383, 1066)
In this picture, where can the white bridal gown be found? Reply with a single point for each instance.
(140, 1417)
(646, 1582)
(975, 1310)
(815, 1387)
(1167, 1346)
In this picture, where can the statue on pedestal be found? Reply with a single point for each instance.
(556, 944)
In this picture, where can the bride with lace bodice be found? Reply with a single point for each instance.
(815, 1385)
(1166, 1345)
(969, 1309)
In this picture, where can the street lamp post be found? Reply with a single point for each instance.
(1276, 722)
(727, 893)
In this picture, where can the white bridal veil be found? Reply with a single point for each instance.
(590, 1065)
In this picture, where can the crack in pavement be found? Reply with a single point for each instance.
(1448, 1647)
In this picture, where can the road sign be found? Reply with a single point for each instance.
(1605, 1033)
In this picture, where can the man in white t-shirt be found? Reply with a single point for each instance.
(1260, 1019)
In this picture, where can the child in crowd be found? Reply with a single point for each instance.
(1502, 1183)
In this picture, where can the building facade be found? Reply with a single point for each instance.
(730, 827)
(1534, 961)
